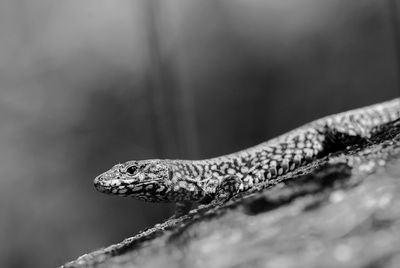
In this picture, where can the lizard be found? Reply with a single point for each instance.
(218, 179)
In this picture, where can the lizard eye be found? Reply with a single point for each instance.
(131, 170)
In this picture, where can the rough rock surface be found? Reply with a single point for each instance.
(340, 211)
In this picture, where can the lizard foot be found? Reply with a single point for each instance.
(229, 187)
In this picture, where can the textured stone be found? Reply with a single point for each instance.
(339, 211)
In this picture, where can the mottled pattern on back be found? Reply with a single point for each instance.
(164, 180)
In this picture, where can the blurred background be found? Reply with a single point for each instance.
(87, 84)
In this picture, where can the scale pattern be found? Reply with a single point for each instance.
(185, 181)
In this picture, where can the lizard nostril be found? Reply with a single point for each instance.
(98, 179)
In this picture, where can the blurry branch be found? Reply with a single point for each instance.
(160, 92)
(394, 20)
(171, 107)
(187, 127)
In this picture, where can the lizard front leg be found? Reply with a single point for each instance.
(228, 188)
(221, 190)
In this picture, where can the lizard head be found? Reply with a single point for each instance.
(148, 180)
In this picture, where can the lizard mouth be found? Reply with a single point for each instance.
(112, 183)
(101, 185)
(102, 188)
(104, 185)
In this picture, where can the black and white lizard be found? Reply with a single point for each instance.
(189, 181)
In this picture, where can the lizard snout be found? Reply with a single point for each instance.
(101, 185)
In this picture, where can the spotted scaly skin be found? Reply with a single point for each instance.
(220, 178)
